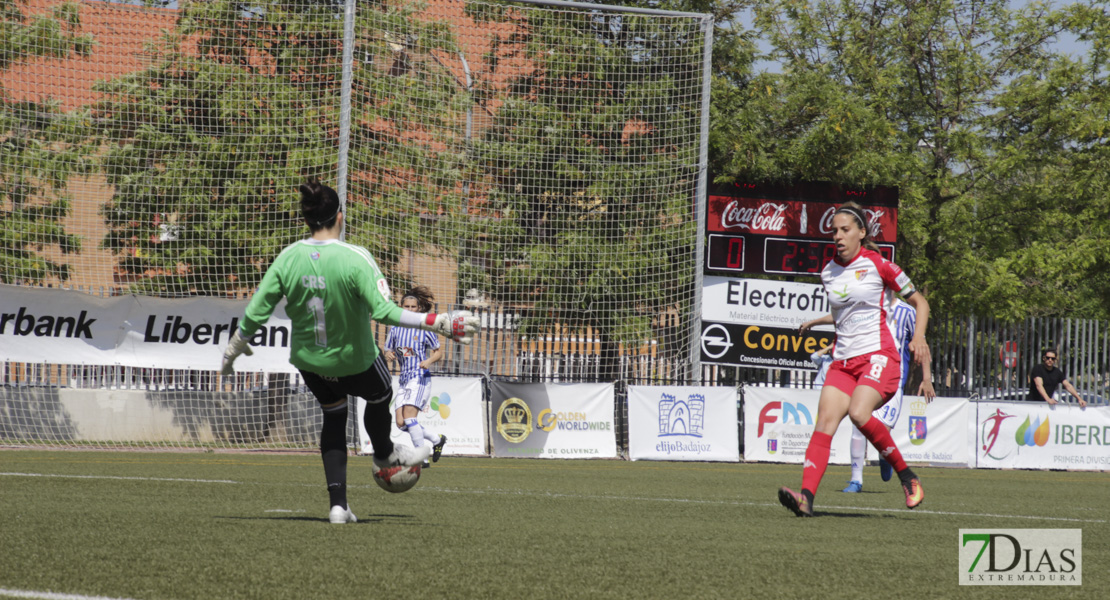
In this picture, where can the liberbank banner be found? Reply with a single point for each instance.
(454, 409)
(1035, 435)
(754, 323)
(552, 420)
(62, 326)
(682, 423)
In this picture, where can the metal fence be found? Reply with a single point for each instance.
(972, 357)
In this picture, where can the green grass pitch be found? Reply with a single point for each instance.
(190, 525)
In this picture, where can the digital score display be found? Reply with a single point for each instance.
(799, 256)
(726, 252)
(787, 229)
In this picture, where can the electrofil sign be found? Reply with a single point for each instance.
(787, 229)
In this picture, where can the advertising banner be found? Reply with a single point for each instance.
(552, 420)
(763, 302)
(455, 410)
(682, 423)
(934, 433)
(63, 326)
(778, 423)
(760, 346)
(1035, 435)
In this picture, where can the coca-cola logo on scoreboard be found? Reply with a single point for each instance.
(874, 221)
(768, 217)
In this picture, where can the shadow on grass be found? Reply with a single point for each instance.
(324, 519)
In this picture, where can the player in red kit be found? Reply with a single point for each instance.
(866, 367)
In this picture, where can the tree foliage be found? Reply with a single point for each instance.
(209, 144)
(591, 168)
(997, 141)
(39, 150)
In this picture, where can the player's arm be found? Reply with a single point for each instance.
(1071, 390)
(822, 320)
(433, 357)
(457, 325)
(918, 346)
(925, 388)
(259, 309)
(1038, 382)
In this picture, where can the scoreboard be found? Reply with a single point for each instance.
(787, 229)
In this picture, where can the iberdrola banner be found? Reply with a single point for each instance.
(552, 420)
(1036, 435)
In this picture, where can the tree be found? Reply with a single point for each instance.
(591, 174)
(209, 144)
(241, 104)
(997, 142)
(39, 149)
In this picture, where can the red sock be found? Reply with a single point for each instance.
(817, 460)
(879, 436)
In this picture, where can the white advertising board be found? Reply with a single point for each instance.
(1035, 435)
(682, 423)
(783, 304)
(63, 326)
(455, 410)
(778, 423)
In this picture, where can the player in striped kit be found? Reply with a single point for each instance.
(903, 321)
(415, 351)
(333, 290)
(866, 366)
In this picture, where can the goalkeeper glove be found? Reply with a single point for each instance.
(235, 347)
(457, 325)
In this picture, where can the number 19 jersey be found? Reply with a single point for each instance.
(333, 290)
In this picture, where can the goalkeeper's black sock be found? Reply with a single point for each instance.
(333, 451)
(337, 494)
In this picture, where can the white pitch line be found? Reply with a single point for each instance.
(597, 497)
(119, 478)
(51, 595)
(761, 504)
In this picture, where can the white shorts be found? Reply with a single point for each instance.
(415, 392)
(888, 413)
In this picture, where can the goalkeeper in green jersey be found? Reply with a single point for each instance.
(333, 290)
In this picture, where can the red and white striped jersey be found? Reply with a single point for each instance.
(860, 294)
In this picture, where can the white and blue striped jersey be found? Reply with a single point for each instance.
(903, 321)
(411, 347)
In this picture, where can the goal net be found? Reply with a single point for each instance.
(537, 163)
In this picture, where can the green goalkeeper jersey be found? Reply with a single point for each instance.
(333, 289)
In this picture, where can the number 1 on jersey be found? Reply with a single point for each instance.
(316, 305)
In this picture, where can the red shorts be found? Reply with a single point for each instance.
(876, 370)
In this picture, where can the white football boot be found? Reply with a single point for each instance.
(339, 515)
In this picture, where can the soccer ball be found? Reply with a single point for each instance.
(396, 479)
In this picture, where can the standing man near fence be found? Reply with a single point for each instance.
(1046, 376)
(333, 290)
